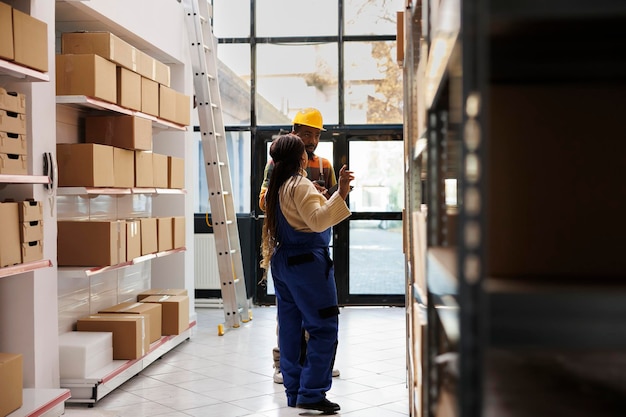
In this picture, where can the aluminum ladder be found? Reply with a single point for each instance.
(203, 51)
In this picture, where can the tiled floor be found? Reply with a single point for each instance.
(231, 375)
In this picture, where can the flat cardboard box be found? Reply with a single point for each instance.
(32, 251)
(30, 210)
(13, 143)
(30, 41)
(124, 168)
(85, 165)
(152, 311)
(149, 242)
(161, 291)
(10, 252)
(175, 312)
(178, 231)
(31, 231)
(13, 164)
(159, 170)
(130, 340)
(12, 122)
(128, 89)
(104, 44)
(128, 132)
(6, 32)
(149, 97)
(83, 353)
(11, 382)
(133, 239)
(12, 101)
(175, 172)
(143, 169)
(164, 234)
(86, 75)
(91, 243)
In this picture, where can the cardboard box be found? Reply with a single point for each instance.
(161, 73)
(133, 239)
(10, 252)
(30, 210)
(86, 75)
(183, 109)
(128, 132)
(30, 41)
(83, 353)
(143, 169)
(164, 234)
(159, 170)
(104, 44)
(178, 231)
(13, 164)
(13, 143)
(12, 122)
(160, 292)
(175, 172)
(31, 231)
(167, 103)
(91, 243)
(6, 32)
(123, 168)
(175, 312)
(12, 101)
(149, 242)
(152, 312)
(32, 251)
(130, 340)
(11, 382)
(149, 97)
(85, 165)
(128, 89)
(145, 66)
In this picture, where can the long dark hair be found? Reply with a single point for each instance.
(286, 152)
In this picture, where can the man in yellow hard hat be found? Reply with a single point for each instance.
(308, 125)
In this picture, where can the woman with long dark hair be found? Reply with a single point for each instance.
(296, 238)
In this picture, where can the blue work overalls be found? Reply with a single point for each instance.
(306, 295)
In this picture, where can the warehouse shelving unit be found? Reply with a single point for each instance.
(525, 285)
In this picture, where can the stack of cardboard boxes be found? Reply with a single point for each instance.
(13, 148)
(22, 232)
(23, 39)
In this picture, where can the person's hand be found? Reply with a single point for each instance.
(345, 177)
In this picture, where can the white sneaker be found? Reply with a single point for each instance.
(335, 373)
(278, 376)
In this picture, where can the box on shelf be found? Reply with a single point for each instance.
(128, 132)
(149, 242)
(178, 231)
(149, 97)
(175, 172)
(183, 109)
(164, 234)
(104, 44)
(85, 165)
(30, 210)
(159, 170)
(32, 251)
(133, 239)
(145, 65)
(152, 312)
(10, 252)
(83, 353)
(12, 122)
(31, 231)
(175, 312)
(123, 168)
(161, 291)
(130, 339)
(91, 243)
(13, 143)
(161, 73)
(174, 106)
(30, 41)
(11, 382)
(13, 164)
(86, 75)
(6, 32)
(143, 169)
(128, 89)
(12, 101)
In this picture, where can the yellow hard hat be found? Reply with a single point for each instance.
(309, 117)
